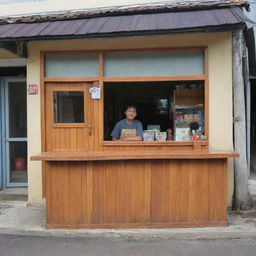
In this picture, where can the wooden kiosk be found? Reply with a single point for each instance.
(92, 182)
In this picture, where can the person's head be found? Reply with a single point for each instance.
(130, 112)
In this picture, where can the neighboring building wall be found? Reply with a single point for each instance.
(220, 91)
(4, 54)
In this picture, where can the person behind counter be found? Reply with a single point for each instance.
(128, 129)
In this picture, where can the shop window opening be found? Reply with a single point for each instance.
(169, 111)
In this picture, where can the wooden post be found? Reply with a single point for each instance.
(241, 168)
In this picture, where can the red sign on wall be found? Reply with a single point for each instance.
(32, 89)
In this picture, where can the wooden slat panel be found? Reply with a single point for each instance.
(175, 192)
(157, 193)
(58, 174)
(100, 189)
(48, 191)
(65, 197)
(166, 192)
(137, 193)
(218, 190)
(125, 200)
(87, 193)
(197, 182)
(74, 193)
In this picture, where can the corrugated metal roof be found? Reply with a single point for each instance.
(198, 20)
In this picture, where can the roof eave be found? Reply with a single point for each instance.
(208, 29)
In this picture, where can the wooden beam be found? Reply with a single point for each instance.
(128, 155)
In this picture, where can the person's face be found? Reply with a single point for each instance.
(130, 113)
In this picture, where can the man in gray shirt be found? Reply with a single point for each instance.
(129, 128)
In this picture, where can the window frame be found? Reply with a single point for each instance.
(69, 124)
(101, 79)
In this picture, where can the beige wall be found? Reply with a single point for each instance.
(220, 91)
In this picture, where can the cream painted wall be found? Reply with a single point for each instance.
(34, 130)
(220, 88)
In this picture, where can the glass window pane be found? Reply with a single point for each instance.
(68, 107)
(157, 63)
(71, 65)
(18, 162)
(17, 109)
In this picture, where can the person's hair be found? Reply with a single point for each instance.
(130, 106)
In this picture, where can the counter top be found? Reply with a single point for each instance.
(129, 155)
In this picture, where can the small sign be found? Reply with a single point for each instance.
(32, 89)
(95, 92)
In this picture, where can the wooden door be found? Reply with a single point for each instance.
(68, 116)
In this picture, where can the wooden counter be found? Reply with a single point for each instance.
(131, 155)
(136, 189)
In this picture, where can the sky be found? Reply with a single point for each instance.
(31, 7)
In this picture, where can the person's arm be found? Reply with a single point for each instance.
(116, 132)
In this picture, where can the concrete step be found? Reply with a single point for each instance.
(14, 194)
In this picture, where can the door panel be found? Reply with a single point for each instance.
(16, 132)
(68, 121)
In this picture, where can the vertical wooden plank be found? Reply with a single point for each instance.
(147, 191)
(64, 172)
(97, 208)
(137, 190)
(203, 193)
(172, 190)
(57, 174)
(48, 191)
(74, 192)
(56, 135)
(62, 139)
(73, 138)
(124, 200)
(184, 191)
(110, 200)
(224, 189)
(197, 203)
(68, 138)
(87, 192)
(166, 192)
(79, 133)
(120, 211)
(217, 190)
(157, 197)
(169, 196)
(176, 195)
(126, 186)
(167, 169)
